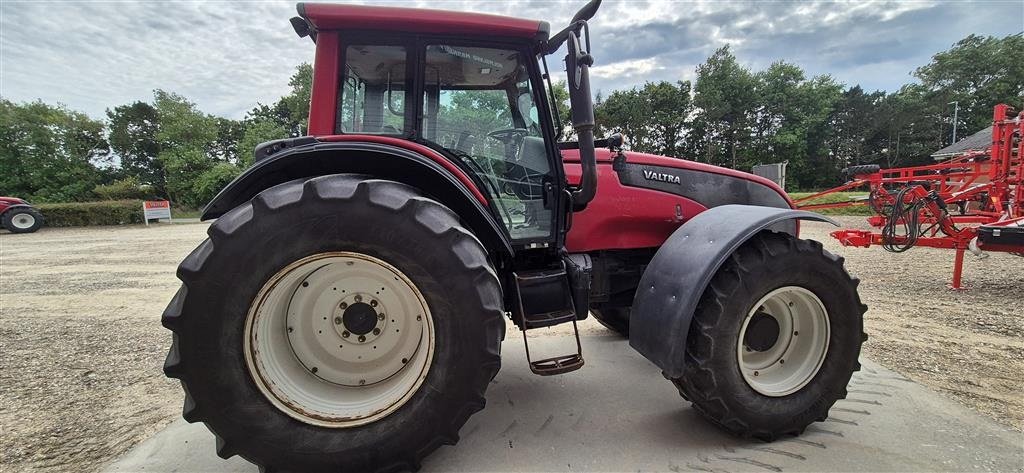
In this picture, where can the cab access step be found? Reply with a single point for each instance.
(543, 299)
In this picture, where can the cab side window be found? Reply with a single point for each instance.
(373, 97)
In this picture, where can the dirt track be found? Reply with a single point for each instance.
(81, 345)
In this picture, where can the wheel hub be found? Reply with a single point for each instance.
(23, 221)
(783, 341)
(339, 339)
(359, 318)
(762, 332)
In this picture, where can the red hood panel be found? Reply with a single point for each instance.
(604, 155)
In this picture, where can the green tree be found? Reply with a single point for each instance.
(132, 130)
(257, 131)
(979, 72)
(724, 98)
(292, 110)
(653, 118)
(50, 153)
(790, 122)
(186, 136)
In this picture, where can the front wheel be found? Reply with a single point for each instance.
(336, 324)
(22, 220)
(775, 338)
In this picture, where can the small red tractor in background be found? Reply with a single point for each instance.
(971, 202)
(19, 216)
(347, 311)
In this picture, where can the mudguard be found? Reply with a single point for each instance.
(303, 158)
(681, 270)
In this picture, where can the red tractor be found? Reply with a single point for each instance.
(19, 216)
(348, 308)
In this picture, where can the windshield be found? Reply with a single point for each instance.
(479, 104)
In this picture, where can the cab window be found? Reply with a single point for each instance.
(479, 105)
(372, 98)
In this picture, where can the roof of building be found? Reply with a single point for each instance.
(979, 141)
(414, 20)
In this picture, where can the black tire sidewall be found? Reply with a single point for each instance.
(829, 282)
(235, 272)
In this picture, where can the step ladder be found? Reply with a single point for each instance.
(544, 299)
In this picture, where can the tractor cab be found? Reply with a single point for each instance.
(470, 87)
(478, 106)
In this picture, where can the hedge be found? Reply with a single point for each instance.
(78, 214)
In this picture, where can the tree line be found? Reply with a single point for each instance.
(736, 117)
(729, 115)
(164, 148)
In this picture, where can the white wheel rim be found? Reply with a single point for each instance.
(23, 220)
(319, 350)
(801, 343)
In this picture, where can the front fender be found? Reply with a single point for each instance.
(307, 158)
(681, 270)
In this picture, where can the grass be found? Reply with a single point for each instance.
(834, 198)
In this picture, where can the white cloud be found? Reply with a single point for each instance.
(226, 56)
(627, 69)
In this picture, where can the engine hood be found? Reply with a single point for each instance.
(632, 157)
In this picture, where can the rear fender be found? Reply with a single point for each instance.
(310, 158)
(681, 270)
(15, 207)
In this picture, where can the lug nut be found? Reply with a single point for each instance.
(345, 334)
(362, 338)
(343, 306)
(380, 316)
(376, 331)
(755, 373)
(337, 321)
(373, 303)
(359, 298)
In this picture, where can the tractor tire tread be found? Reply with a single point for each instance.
(699, 384)
(389, 195)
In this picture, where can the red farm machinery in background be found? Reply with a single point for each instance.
(971, 202)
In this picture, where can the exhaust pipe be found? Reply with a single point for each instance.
(577, 65)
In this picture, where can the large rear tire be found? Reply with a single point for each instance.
(775, 338)
(337, 324)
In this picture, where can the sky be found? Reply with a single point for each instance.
(226, 56)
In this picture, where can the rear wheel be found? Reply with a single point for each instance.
(615, 319)
(775, 338)
(337, 324)
(22, 220)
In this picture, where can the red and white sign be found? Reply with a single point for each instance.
(156, 209)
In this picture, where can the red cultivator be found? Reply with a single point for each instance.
(974, 201)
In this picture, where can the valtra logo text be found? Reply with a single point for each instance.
(659, 176)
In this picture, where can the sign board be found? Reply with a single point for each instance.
(155, 210)
(775, 172)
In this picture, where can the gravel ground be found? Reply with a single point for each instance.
(81, 346)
